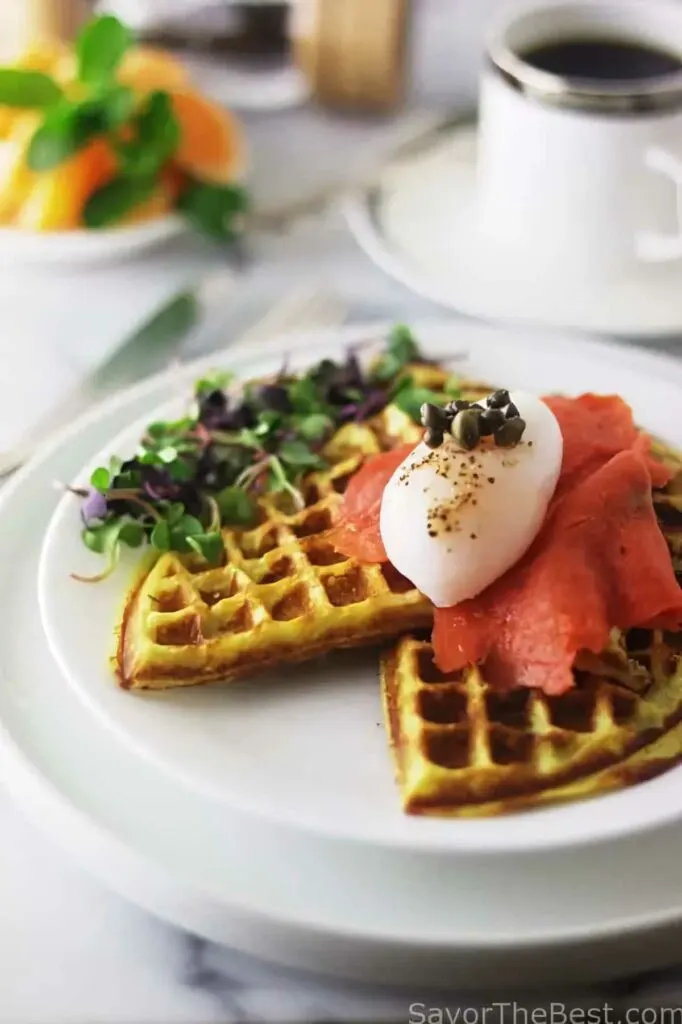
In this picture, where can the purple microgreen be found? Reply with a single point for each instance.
(94, 507)
(208, 468)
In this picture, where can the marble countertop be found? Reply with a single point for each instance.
(71, 952)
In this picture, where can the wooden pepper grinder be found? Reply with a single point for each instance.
(353, 52)
(25, 22)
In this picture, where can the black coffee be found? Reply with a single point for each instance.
(607, 59)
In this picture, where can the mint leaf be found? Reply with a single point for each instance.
(237, 507)
(27, 89)
(118, 104)
(100, 48)
(214, 209)
(155, 137)
(67, 128)
(110, 203)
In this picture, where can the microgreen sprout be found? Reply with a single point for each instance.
(205, 471)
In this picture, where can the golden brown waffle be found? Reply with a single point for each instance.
(463, 748)
(283, 594)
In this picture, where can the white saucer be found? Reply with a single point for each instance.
(418, 225)
(453, 920)
(327, 774)
(75, 248)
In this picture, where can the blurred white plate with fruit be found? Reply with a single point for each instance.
(108, 148)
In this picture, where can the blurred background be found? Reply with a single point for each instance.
(325, 90)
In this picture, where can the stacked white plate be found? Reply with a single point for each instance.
(264, 815)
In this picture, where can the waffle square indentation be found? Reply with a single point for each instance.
(510, 709)
(448, 748)
(348, 588)
(395, 581)
(442, 706)
(291, 606)
(428, 671)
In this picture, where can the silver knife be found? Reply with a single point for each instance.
(146, 351)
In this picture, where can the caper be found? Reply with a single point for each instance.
(465, 429)
(432, 416)
(510, 433)
(490, 421)
(511, 411)
(433, 438)
(497, 400)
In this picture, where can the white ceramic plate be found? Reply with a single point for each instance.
(451, 920)
(306, 748)
(419, 226)
(66, 248)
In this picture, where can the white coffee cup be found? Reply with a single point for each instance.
(584, 175)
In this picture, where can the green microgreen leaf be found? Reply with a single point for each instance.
(174, 513)
(161, 536)
(237, 507)
(386, 368)
(181, 471)
(26, 89)
(402, 344)
(453, 387)
(132, 534)
(401, 350)
(208, 545)
(100, 479)
(188, 525)
(113, 201)
(216, 380)
(299, 455)
(410, 400)
(100, 48)
(215, 210)
(303, 395)
(315, 426)
(103, 540)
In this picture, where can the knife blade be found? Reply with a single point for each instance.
(146, 351)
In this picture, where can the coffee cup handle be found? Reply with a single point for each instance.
(651, 246)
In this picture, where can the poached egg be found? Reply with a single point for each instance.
(452, 521)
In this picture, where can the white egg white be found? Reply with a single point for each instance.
(453, 521)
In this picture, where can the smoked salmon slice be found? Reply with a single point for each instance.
(599, 561)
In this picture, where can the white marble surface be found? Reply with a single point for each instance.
(70, 952)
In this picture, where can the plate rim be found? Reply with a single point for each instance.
(48, 792)
(435, 836)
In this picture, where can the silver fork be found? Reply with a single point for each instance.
(301, 310)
